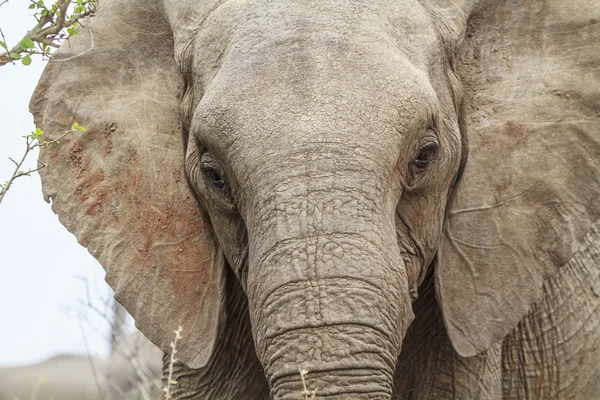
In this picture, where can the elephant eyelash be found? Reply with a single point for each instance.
(427, 150)
(214, 177)
(424, 157)
(216, 184)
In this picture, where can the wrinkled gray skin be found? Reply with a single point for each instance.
(331, 223)
(325, 141)
(324, 249)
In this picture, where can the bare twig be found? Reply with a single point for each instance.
(144, 382)
(17, 172)
(92, 47)
(3, 37)
(32, 141)
(91, 362)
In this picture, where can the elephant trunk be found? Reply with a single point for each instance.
(328, 296)
(338, 360)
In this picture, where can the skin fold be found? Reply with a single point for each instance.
(395, 196)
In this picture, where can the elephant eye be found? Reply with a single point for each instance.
(426, 154)
(214, 177)
(211, 171)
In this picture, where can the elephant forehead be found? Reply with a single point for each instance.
(377, 105)
(306, 69)
(336, 27)
(316, 62)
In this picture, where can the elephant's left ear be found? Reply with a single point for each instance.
(529, 198)
(120, 187)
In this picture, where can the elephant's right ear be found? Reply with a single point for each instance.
(528, 202)
(120, 186)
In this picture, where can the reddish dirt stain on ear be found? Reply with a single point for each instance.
(76, 159)
(517, 132)
(166, 245)
(107, 143)
(98, 194)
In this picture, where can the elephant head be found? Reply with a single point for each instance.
(308, 159)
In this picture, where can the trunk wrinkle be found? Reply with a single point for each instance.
(274, 337)
(365, 386)
(291, 284)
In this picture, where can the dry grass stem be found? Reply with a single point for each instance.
(170, 381)
(308, 394)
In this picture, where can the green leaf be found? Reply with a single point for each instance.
(27, 43)
(72, 31)
(31, 6)
(26, 60)
(3, 45)
(44, 13)
(15, 56)
(77, 127)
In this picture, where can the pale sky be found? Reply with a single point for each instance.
(39, 259)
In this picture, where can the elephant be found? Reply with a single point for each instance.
(382, 199)
(79, 377)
